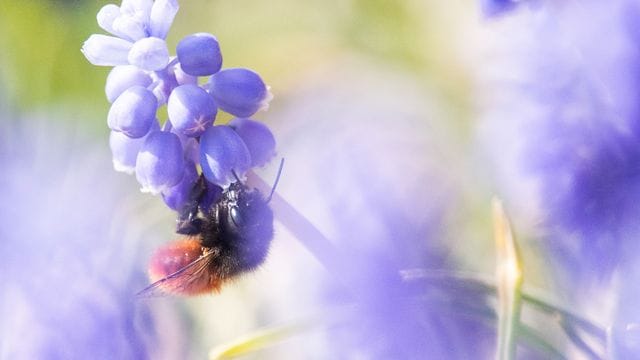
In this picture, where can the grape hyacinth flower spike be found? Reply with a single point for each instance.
(139, 28)
(170, 156)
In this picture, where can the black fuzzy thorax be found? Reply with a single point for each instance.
(239, 228)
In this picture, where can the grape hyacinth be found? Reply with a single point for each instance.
(570, 128)
(168, 157)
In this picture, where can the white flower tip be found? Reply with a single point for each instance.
(150, 54)
(103, 50)
(149, 190)
(107, 15)
(264, 104)
(120, 167)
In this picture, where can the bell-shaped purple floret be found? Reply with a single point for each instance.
(222, 151)
(124, 150)
(191, 109)
(177, 196)
(257, 137)
(123, 77)
(160, 162)
(190, 146)
(103, 50)
(162, 14)
(133, 112)
(149, 54)
(199, 54)
(240, 92)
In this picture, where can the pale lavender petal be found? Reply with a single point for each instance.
(123, 77)
(139, 8)
(125, 150)
(103, 50)
(162, 15)
(129, 27)
(106, 16)
(149, 54)
(182, 77)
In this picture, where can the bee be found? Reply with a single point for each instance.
(229, 238)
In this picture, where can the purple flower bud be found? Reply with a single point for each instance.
(133, 112)
(150, 54)
(221, 152)
(103, 50)
(257, 137)
(240, 92)
(178, 195)
(160, 162)
(125, 150)
(123, 77)
(191, 109)
(190, 145)
(199, 54)
(162, 14)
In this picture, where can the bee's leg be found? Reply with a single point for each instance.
(188, 221)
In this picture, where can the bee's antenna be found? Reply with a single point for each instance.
(273, 188)
(236, 176)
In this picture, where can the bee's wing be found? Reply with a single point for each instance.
(180, 280)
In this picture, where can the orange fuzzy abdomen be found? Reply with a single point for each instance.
(169, 259)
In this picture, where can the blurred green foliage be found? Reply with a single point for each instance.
(41, 62)
(284, 40)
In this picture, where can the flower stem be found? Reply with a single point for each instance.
(509, 279)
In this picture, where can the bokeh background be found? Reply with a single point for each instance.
(396, 120)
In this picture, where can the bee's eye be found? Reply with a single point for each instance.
(236, 216)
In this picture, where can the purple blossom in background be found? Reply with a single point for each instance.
(567, 122)
(71, 253)
(382, 194)
(497, 7)
(573, 123)
(146, 77)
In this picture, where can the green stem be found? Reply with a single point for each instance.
(567, 319)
